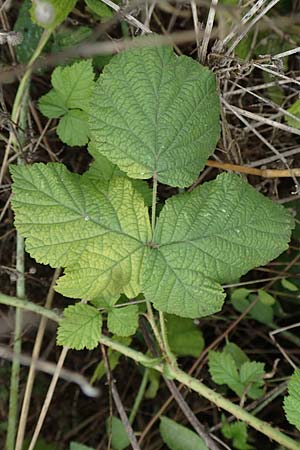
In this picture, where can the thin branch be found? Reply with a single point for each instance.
(118, 402)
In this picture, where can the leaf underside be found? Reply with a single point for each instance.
(154, 105)
(100, 232)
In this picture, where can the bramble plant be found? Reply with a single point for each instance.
(150, 115)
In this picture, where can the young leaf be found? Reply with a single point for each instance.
(185, 338)
(51, 13)
(123, 321)
(69, 99)
(251, 376)
(119, 437)
(80, 327)
(248, 379)
(223, 370)
(237, 353)
(210, 236)
(292, 400)
(153, 105)
(266, 298)
(97, 230)
(286, 284)
(177, 437)
(238, 433)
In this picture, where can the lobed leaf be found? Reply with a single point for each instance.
(153, 105)
(80, 328)
(210, 236)
(95, 230)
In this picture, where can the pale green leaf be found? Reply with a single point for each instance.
(97, 231)
(261, 312)
(286, 284)
(51, 13)
(184, 337)
(266, 298)
(148, 106)
(212, 235)
(78, 446)
(73, 128)
(123, 321)
(99, 8)
(292, 400)
(178, 437)
(223, 370)
(238, 433)
(295, 110)
(119, 437)
(80, 327)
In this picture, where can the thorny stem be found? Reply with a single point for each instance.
(176, 374)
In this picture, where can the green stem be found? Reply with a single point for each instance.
(29, 306)
(170, 356)
(177, 374)
(140, 396)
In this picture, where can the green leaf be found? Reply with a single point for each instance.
(119, 437)
(185, 338)
(251, 376)
(261, 312)
(153, 386)
(237, 353)
(66, 38)
(80, 327)
(212, 235)
(177, 437)
(292, 400)
(238, 433)
(223, 370)
(148, 106)
(30, 31)
(248, 379)
(73, 128)
(103, 169)
(78, 446)
(286, 284)
(69, 100)
(51, 13)
(123, 321)
(266, 298)
(295, 110)
(99, 8)
(96, 230)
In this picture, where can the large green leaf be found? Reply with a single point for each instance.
(96, 230)
(155, 113)
(210, 236)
